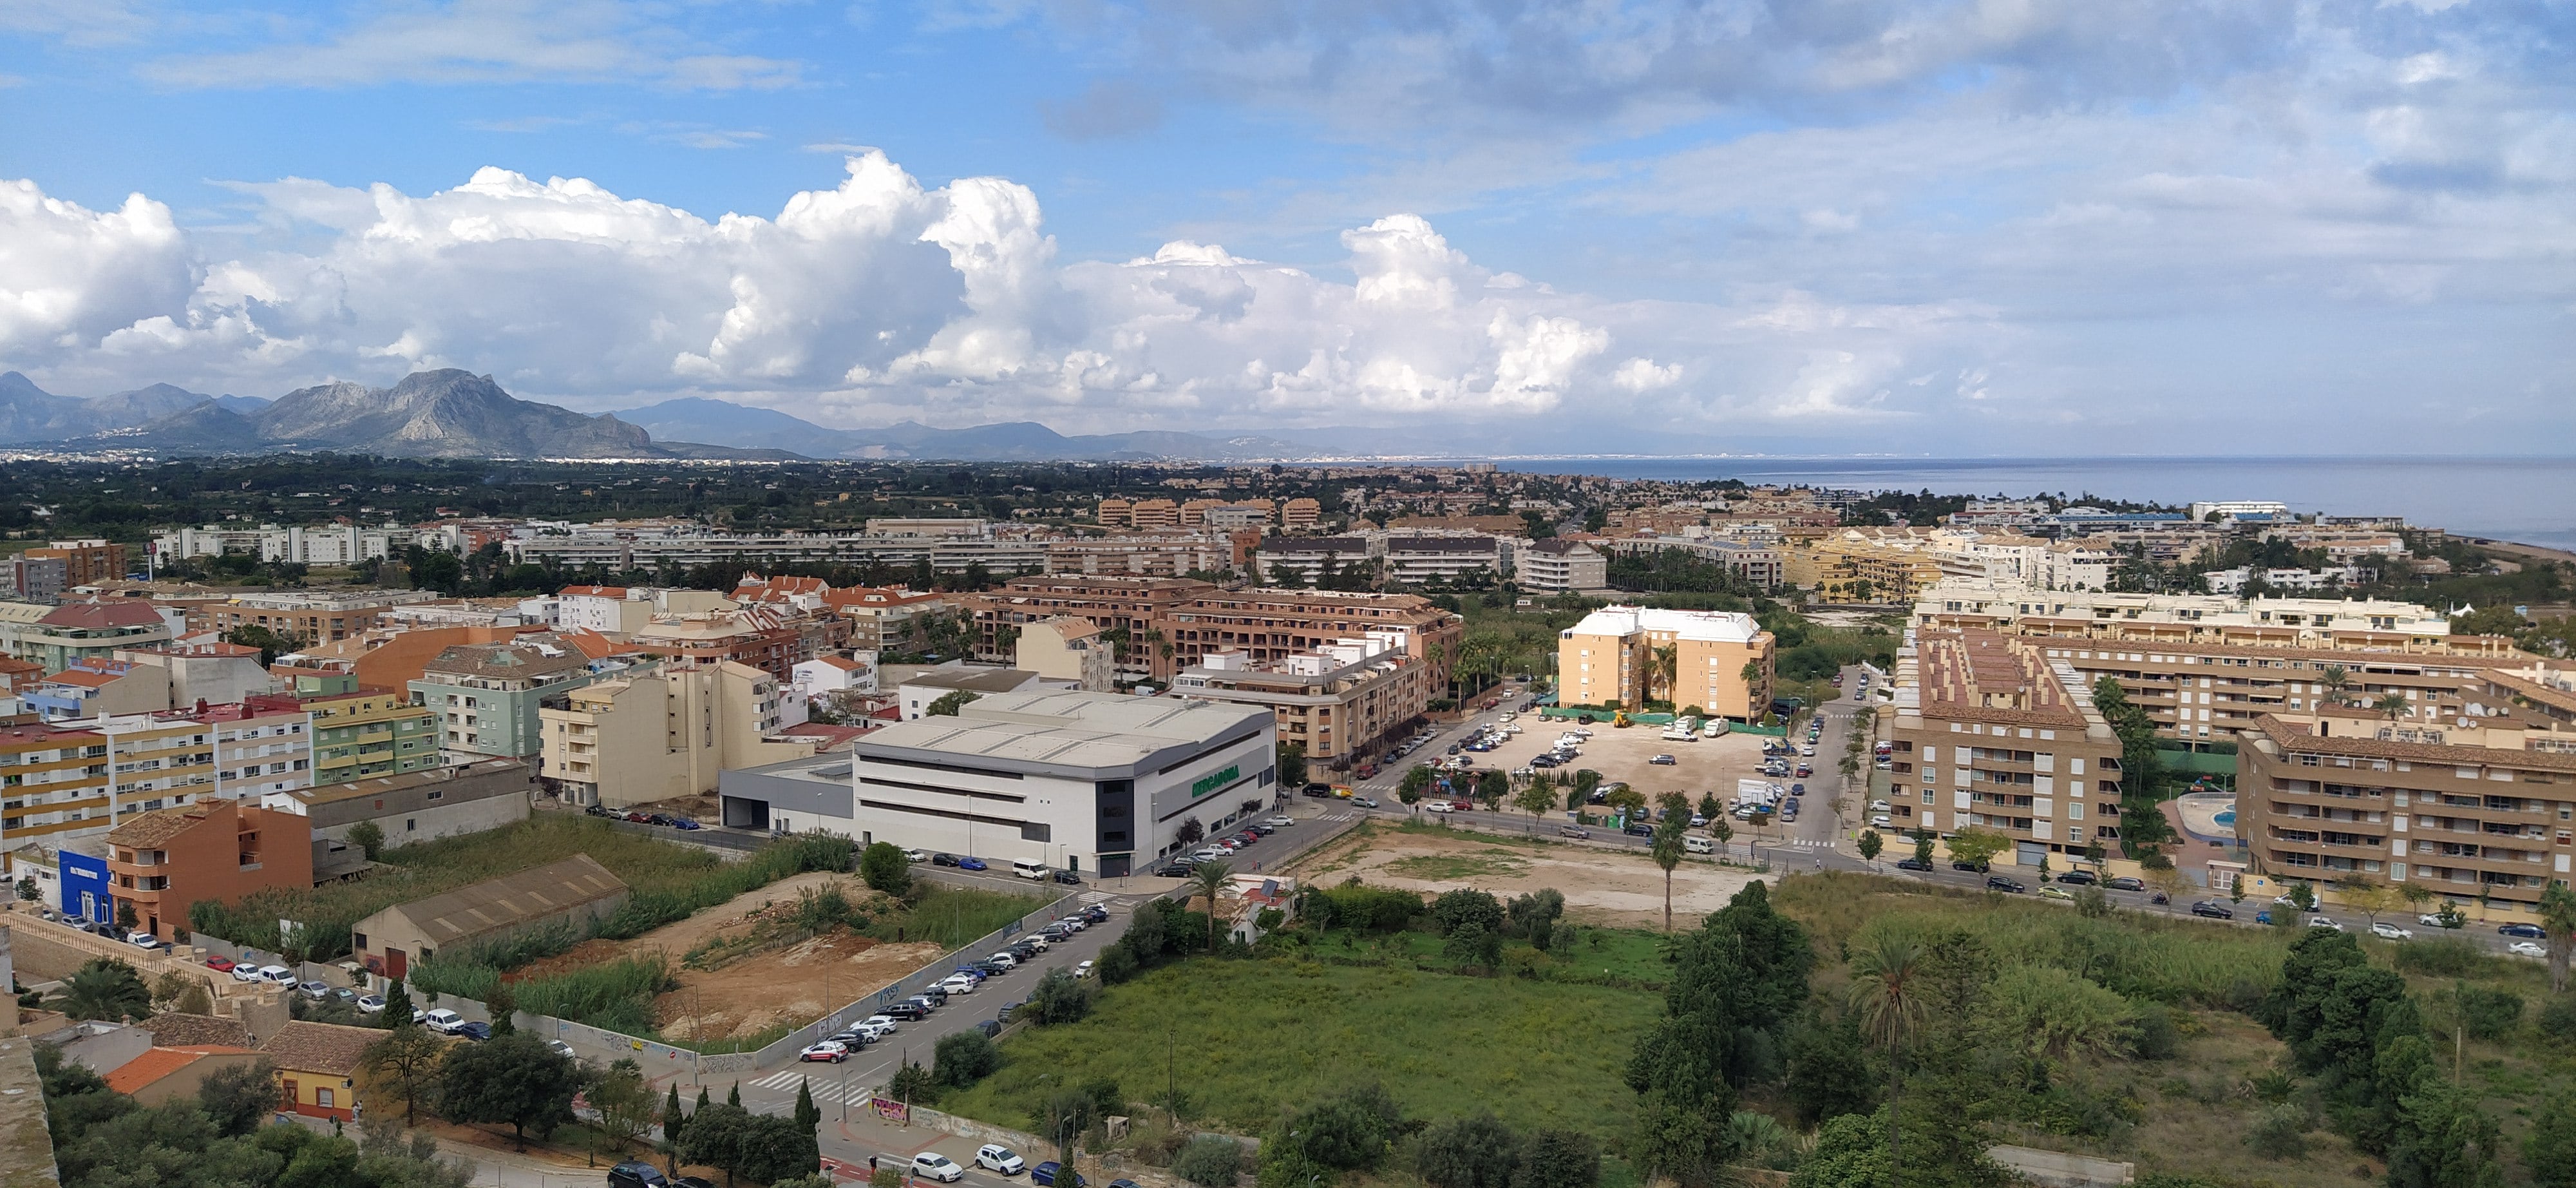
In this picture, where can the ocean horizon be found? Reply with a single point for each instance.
(2529, 500)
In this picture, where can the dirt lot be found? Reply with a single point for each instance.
(1600, 886)
(787, 986)
(1709, 765)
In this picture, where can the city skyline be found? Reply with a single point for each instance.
(1916, 228)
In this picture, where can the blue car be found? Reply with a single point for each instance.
(971, 863)
(1047, 1174)
(685, 823)
(473, 1031)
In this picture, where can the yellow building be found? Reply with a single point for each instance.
(361, 731)
(663, 732)
(1718, 661)
(1848, 565)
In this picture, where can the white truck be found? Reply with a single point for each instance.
(1752, 792)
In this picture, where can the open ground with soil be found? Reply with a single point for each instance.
(1601, 886)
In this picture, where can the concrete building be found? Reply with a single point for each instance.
(2237, 509)
(215, 849)
(2467, 805)
(1721, 661)
(1309, 560)
(1162, 625)
(486, 695)
(39, 579)
(1851, 566)
(1557, 565)
(2304, 581)
(1447, 560)
(1990, 733)
(823, 676)
(1341, 702)
(1175, 554)
(60, 637)
(85, 562)
(2312, 621)
(576, 890)
(1132, 613)
(766, 638)
(1079, 781)
(1069, 651)
(360, 730)
(891, 619)
(1754, 560)
(416, 806)
(1300, 513)
(922, 689)
(263, 745)
(656, 732)
(315, 617)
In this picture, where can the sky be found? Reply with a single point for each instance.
(1912, 227)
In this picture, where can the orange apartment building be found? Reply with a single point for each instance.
(1165, 625)
(160, 862)
(85, 562)
(762, 637)
(1990, 733)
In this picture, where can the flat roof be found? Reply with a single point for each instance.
(1068, 731)
(379, 785)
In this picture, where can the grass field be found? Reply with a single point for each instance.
(1250, 1038)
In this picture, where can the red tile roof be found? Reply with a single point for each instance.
(156, 1063)
(97, 615)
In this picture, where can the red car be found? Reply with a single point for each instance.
(220, 964)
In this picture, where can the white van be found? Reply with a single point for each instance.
(1029, 870)
(1695, 844)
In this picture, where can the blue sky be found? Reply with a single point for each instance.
(1909, 226)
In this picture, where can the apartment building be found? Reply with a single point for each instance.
(1270, 625)
(656, 732)
(2313, 622)
(486, 695)
(763, 637)
(1130, 612)
(60, 637)
(1557, 565)
(85, 562)
(320, 545)
(1721, 661)
(41, 579)
(1341, 701)
(53, 784)
(1307, 560)
(1989, 732)
(625, 547)
(888, 619)
(1760, 564)
(263, 745)
(1068, 650)
(362, 730)
(1160, 555)
(312, 616)
(1446, 560)
(1850, 566)
(215, 849)
(1300, 513)
(2465, 805)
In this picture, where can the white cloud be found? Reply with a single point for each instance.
(69, 275)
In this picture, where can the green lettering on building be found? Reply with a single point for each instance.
(1210, 783)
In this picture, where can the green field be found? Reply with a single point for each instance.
(1250, 1038)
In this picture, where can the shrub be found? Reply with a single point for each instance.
(2445, 956)
(1559, 1159)
(1476, 1152)
(1457, 911)
(1210, 1161)
(965, 1058)
(2153, 1035)
(885, 868)
(2280, 1132)
(2489, 1014)
(2558, 1019)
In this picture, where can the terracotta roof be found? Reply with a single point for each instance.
(320, 1047)
(84, 678)
(523, 660)
(593, 591)
(171, 1029)
(843, 663)
(96, 615)
(156, 1063)
(160, 827)
(13, 665)
(505, 902)
(593, 645)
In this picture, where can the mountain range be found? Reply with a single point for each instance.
(455, 414)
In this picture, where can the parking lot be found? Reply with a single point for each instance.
(1698, 767)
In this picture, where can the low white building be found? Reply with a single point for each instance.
(823, 676)
(1091, 782)
(920, 691)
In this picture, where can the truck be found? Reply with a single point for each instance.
(1751, 791)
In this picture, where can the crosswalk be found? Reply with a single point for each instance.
(826, 1081)
(1350, 814)
(1804, 844)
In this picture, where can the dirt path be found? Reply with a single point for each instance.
(1600, 886)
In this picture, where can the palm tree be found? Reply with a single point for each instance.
(2336, 680)
(1210, 878)
(105, 989)
(1666, 670)
(2558, 916)
(1668, 854)
(2393, 704)
(1888, 996)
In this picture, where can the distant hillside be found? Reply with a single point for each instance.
(719, 422)
(30, 414)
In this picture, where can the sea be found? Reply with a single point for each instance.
(2528, 500)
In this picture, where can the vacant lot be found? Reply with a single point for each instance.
(1248, 1038)
(1601, 886)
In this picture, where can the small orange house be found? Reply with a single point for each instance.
(160, 862)
(317, 1067)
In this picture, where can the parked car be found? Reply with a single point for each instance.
(1279, 822)
(277, 975)
(916, 855)
(2387, 931)
(2055, 893)
(2127, 883)
(220, 964)
(1436, 806)
(143, 940)
(1971, 867)
(829, 1052)
(2213, 909)
(1047, 1173)
(1005, 960)
(1174, 870)
(971, 863)
(931, 1165)
(2000, 883)
(1066, 877)
(943, 860)
(2526, 949)
(1660, 760)
(1912, 864)
(2078, 878)
(1573, 831)
(636, 1175)
(2524, 931)
(2327, 922)
(443, 1020)
(246, 972)
(314, 990)
(1082, 969)
(473, 1030)
(1001, 1159)
(370, 1003)
(1639, 829)
(1095, 914)
(2436, 920)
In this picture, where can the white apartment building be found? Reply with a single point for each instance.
(2233, 581)
(1957, 601)
(335, 545)
(1557, 564)
(2234, 509)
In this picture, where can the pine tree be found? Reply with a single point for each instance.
(672, 1119)
(733, 1096)
(398, 1008)
(703, 1103)
(809, 1116)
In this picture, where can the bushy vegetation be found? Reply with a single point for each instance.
(668, 881)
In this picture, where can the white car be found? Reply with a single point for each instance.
(560, 1048)
(1436, 806)
(884, 1024)
(1878, 806)
(1037, 940)
(931, 1165)
(2430, 920)
(916, 855)
(957, 984)
(246, 972)
(1279, 822)
(1082, 969)
(2387, 931)
(1005, 960)
(443, 1021)
(1001, 1159)
(2526, 949)
(828, 1050)
(277, 975)
(2324, 922)
(371, 1003)
(1882, 821)
(144, 939)
(1207, 853)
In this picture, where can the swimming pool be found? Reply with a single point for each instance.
(2226, 816)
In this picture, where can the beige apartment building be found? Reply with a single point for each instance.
(1847, 565)
(1720, 661)
(2479, 809)
(1341, 702)
(1162, 625)
(664, 731)
(1066, 648)
(1990, 733)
